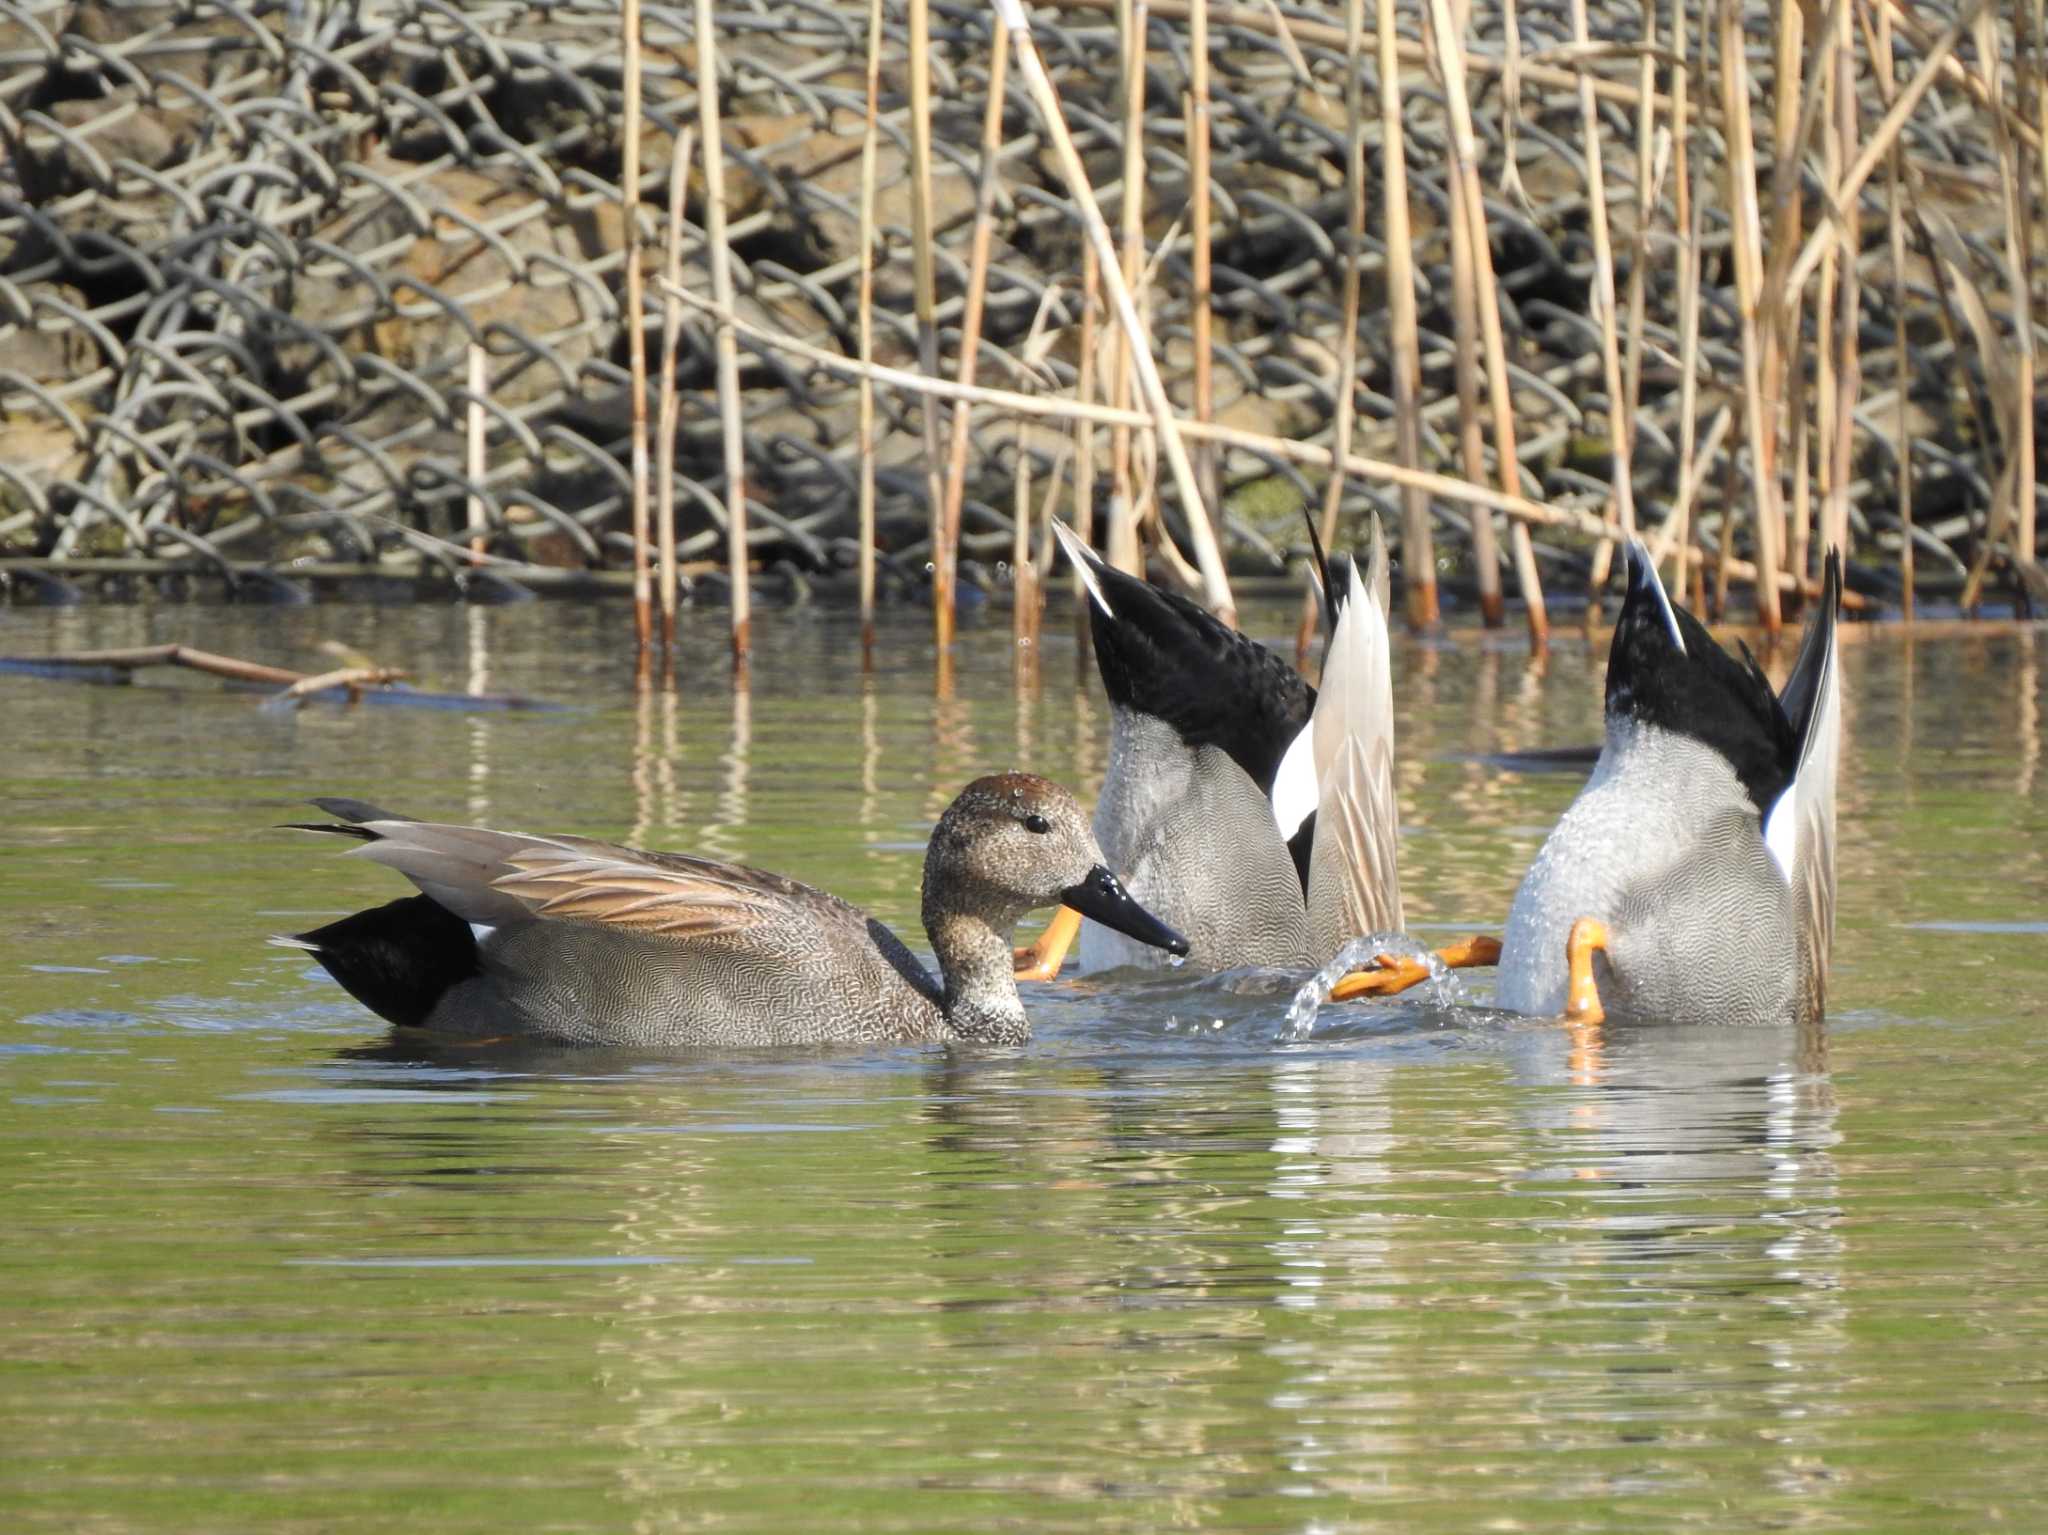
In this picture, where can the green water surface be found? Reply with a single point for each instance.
(1167, 1268)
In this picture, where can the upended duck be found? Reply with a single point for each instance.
(574, 941)
(1693, 879)
(1251, 812)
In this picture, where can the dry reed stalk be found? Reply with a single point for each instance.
(1208, 556)
(1448, 57)
(1023, 576)
(729, 402)
(1618, 423)
(636, 329)
(1688, 221)
(1201, 303)
(669, 413)
(2018, 266)
(945, 550)
(1843, 195)
(1649, 181)
(1848, 363)
(1465, 324)
(1886, 67)
(1955, 73)
(1314, 455)
(869, 150)
(1671, 540)
(1121, 547)
(1291, 30)
(923, 281)
(1344, 387)
(1747, 245)
(1800, 433)
(1083, 510)
(475, 462)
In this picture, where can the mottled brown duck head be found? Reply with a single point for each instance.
(1014, 842)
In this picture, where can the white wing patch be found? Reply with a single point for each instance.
(1295, 791)
(1084, 565)
(1781, 831)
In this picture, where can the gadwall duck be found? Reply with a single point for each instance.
(575, 941)
(1252, 813)
(1693, 879)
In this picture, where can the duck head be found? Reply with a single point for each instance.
(1015, 842)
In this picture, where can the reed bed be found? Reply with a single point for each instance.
(357, 288)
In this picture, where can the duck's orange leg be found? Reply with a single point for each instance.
(1392, 973)
(1582, 995)
(1042, 961)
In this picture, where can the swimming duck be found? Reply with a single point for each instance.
(1693, 879)
(575, 941)
(1253, 814)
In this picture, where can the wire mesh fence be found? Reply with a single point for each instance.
(248, 251)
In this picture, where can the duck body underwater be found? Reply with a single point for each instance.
(1692, 880)
(1257, 811)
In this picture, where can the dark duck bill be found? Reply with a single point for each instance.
(1101, 895)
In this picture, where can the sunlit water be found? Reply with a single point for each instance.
(1171, 1266)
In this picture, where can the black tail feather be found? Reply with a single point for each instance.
(398, 959)
(356, 811)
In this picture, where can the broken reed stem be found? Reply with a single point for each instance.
(729, 402)
(476, 424)
(636, 330)
(1122, 546)
(945, 552)
(1344, 387)
(1465, 326)
(923, 280)
(1618, 423)
(669, 413)
(869, 144)
(1201, 301)
(1208, 557)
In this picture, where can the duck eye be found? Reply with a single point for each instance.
(1037, 823)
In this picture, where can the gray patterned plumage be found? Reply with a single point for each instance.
(1716, 911)
(575, 941)
(1187, 825)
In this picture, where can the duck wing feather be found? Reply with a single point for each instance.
(1812, 702)
(496, 877)
(1354, 879)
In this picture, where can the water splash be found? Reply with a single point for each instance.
(1442, 989)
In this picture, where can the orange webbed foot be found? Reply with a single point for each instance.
(1042, 961)
(1582, 992)
(1391, 974)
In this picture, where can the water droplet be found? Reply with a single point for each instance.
(1444, 989)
